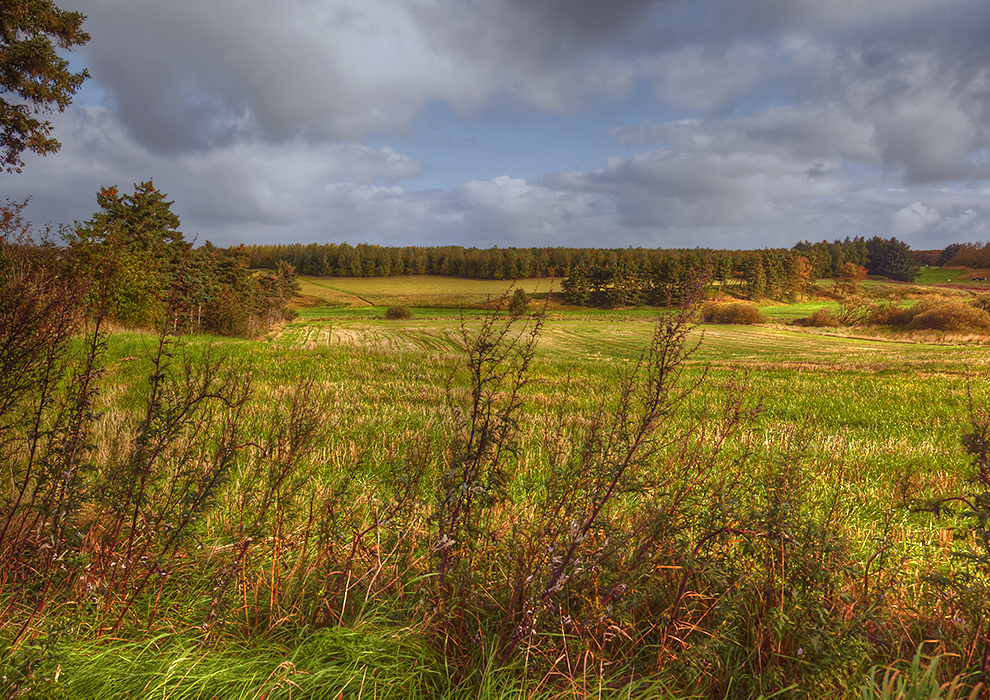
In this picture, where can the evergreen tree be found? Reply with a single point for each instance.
(891, 258)
(133, 248)
(577, 287)
(754, 275)
(33, 72)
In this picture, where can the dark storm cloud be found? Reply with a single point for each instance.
(190, 76)
(540, 33)
(187, 75)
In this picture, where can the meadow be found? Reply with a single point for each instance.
(576, 502)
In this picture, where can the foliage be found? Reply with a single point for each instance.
(622, 279)
(556, 519)
(948, 315)
(145, 274)
(850, 277)
(891, 258)
(964, 582)
(133, 249)
(973, 255)
(827, 258)
(822, 318)
(364, 260)
(982, 301)
(34, 73)
(799, 275)
(949, 253)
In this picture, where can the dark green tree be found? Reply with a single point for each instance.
(950, 251)
(34, 74)
(518, 302)
(754, 275)
(891, 258)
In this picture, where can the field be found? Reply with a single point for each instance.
(885, 405)
(793, 442)
(433, 291)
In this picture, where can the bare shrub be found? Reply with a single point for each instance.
(740, 313)
(398, 313)
(855, 310)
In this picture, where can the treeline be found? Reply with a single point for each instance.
(600, 276)
(612, 278)
(363, 260)
(138, 269)
(974, 255)
(662, 277)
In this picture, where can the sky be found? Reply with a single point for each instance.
(603, 123)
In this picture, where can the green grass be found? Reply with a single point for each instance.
(330, 663)
(874, 408)
(951, 275)
(789, 312)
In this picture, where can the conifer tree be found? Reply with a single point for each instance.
(33, 73)
(133, 247)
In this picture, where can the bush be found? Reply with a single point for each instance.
(823, 318)
(890, 315)
(948, 315)
(737, 313)
(398, 313)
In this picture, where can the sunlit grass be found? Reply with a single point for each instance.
(866, 416)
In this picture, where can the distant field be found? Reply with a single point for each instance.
(421, 291)
(950, 275)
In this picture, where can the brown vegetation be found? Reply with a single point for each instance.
(733, 313)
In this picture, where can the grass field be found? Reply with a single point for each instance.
(887, 404)
(950, 275)
(846, 427)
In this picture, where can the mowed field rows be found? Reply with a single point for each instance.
(613, 339)
(423, 291)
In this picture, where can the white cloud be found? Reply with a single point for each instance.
(525, 214)
(913, 219)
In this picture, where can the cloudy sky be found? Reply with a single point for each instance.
(670, 123)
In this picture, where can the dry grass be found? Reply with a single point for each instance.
(417, 290)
